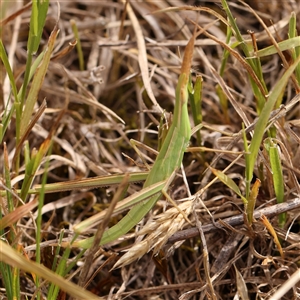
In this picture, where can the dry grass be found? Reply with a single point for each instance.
(113, 100)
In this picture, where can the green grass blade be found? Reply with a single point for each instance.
(16, 279)
(37, 20)
(247, 159)
(4, 58)
(7, 278)
(195, 96)
(7, 114)
(61, 271)
(229, 182)
(32, 71)
(235, 28)
(6, 118)
(29, 164)
(6, 270)
(277, 175)
(32, 165)
(223, 98)
(9, 198)
(226, 53)
(37, 83)
(12, 257)
(252, 200)
(39, 219)
(295, 51)
(263, 120)
(284, 45)
(247, 49)
(78, 44)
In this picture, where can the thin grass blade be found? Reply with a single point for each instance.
(13, 258)
(277, 175)
(263, 121)
(229, 182)
(37, 83)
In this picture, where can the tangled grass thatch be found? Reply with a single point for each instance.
(109, 78)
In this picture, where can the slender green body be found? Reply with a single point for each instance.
(168, 160)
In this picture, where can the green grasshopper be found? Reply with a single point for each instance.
(167, 162)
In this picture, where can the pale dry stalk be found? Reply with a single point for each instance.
(158, 231)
